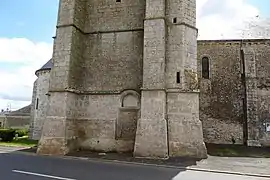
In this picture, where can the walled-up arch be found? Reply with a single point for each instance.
(130, 98)
(128, 115)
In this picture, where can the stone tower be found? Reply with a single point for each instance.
(124, 78)
(40, 100)
(169, 123)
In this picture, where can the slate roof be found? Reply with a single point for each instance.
(47, 66)
(21, 112)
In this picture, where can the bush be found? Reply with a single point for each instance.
(7, 135)
(21, 132)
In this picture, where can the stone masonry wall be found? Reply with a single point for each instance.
(32, 112)
(185, 134)
(93, 64)
(113, 62)
(97, 119)
(111, 16)
(152, 123)
(262, 57)
(221, 103)
(113, 52)
(170, 99)
(40, 103)
(251, 96)
(105, 48)
(17, 122)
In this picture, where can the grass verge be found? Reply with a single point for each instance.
(20, 142)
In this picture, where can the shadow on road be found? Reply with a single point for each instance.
(118, 168)
(128, 157)
(96, 170)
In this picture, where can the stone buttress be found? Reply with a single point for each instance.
(169, 123)
(59, 131)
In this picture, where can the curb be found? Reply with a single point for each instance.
(149, 164)
(168, 166)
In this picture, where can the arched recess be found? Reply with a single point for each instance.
(130, 98)
(128, 115)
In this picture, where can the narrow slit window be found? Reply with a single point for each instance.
(178, 77)
(175, 20)
(205, 68)
(37, 104)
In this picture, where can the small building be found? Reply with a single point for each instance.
(16, 119)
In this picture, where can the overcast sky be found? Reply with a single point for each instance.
(27, 28)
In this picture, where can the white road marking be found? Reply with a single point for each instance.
(41, 175)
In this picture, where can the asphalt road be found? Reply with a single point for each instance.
(16, 166)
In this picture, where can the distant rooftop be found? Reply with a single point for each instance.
(46, 66)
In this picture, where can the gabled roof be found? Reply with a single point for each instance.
(21, 112)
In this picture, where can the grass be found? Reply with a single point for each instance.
(237, 151)
(20, 142)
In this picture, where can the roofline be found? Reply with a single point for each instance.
(45, 69)
(234, 40)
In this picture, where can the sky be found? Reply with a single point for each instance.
(27, 28)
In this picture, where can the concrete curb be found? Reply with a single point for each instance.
(170, 166)
(149, 164)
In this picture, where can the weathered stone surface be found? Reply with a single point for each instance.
(221, 103)
(59, 133)
(152, 124)
(39, 103)
(233, 101)
(126, 77)
(184, 127)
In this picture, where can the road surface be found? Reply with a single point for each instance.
(16, 166)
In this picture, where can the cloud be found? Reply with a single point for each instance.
(25, 57)
(216, 19)
(24, 50)
(229, 19)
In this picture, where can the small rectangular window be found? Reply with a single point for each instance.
(175, 20)
(178, 77)
(37, 104)
(267, 127)
(118, 0)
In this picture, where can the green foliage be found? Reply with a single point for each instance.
(7, 135)
(21, 132)
(20, 142)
